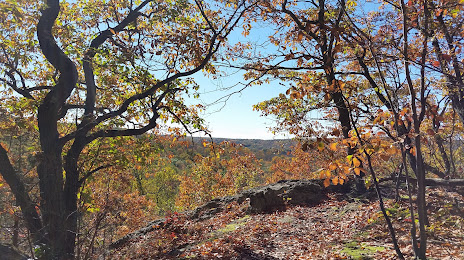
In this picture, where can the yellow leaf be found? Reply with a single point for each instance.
(351, 3)
(92, 209)
(413, 151)
(335, 181)
(326, 183)
(356, 162)
(349, 158)
(333, 146)
(341, 181)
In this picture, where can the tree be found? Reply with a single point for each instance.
(229, 168)
(96, 70)
(309, 59)
(374, 74)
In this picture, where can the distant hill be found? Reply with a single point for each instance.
(263, 149)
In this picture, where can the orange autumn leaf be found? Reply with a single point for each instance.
(358, 171)
(300, 36)
(333, 166)
(328, 174)
(326, 183)
(333, 146)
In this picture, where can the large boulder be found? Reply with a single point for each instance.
(9, 252)
(289, 192)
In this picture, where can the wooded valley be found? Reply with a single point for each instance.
(99, 136)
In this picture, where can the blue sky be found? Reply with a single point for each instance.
(234, 117)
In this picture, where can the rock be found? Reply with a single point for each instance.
(289, 192)
(153, 225)
(9, 252)
(273, 197)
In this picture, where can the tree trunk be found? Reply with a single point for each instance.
(59, 208)
(55, 201)
(52, 207)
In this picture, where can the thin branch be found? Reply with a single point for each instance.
(90, 173)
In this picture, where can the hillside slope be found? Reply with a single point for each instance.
(337, 226)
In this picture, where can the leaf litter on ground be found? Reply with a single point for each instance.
(334, 229)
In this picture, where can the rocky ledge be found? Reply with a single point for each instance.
(263, 199)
